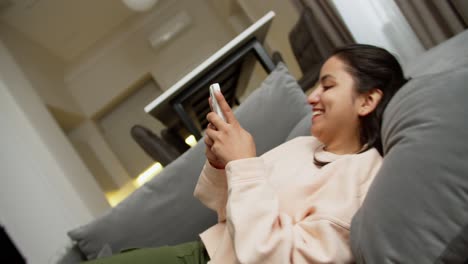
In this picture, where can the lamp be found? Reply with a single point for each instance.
(140, 5)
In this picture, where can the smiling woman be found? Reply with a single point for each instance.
(301, 219)
(356, 84)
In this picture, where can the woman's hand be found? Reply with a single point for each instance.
(227, 141)
(210, 156)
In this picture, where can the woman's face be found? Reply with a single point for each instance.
(335, 103)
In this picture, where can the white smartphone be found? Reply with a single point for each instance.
(214, 103)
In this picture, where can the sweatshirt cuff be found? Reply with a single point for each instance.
(215, 176)
(245, 169)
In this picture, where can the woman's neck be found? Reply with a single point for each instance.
(345, 145)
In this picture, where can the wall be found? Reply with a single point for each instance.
(88, 132)
(46, 72)
(118, 62)
(41, 68)
(46, 190)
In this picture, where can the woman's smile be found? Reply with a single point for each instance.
(317, 112)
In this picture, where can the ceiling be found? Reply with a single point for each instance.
(65, 27)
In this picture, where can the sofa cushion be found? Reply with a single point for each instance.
(302, 128)
(416, 210)
(271, 112)
(451, 54)
(164, 211)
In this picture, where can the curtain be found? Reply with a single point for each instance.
(328, 23)
(381, 23)
(317, 33)
(435, 20)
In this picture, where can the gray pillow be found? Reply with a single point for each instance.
(302, 128)
(416, 210)
(451, 54)
(164, 211)
(271, 112)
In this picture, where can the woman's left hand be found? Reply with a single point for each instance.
(230, 140)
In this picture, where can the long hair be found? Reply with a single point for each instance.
(372, 67)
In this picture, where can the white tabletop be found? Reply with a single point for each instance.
(258, 30)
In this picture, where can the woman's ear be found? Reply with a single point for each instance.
(369, 101)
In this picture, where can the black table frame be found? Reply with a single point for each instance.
(203, 81)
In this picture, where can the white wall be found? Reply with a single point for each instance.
(118, 62)
(46, 190)
(41, 67)
(88, 132)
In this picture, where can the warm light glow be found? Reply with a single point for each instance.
(191, 141)
(148, 174)
(116, 197)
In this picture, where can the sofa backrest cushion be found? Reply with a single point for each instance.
(164, 211)
(302, 128)
(451, 54)
(271, 112)
(416, 210)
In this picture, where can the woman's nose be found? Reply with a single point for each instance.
(314, 97)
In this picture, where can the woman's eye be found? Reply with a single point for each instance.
(326, 87)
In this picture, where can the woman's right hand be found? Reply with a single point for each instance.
(210, 156)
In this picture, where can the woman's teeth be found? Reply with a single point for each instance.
(317, 112)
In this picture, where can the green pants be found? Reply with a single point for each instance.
(187, 253)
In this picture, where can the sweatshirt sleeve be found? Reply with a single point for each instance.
(263, 234)
(211, 190)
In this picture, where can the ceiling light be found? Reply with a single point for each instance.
(140, 5)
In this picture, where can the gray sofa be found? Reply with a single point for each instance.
(416, 210)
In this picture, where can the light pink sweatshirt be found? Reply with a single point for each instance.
(281, 208)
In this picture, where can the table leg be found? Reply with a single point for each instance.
(263, 57)
(187, 121)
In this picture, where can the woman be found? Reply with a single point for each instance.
(294, 204)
